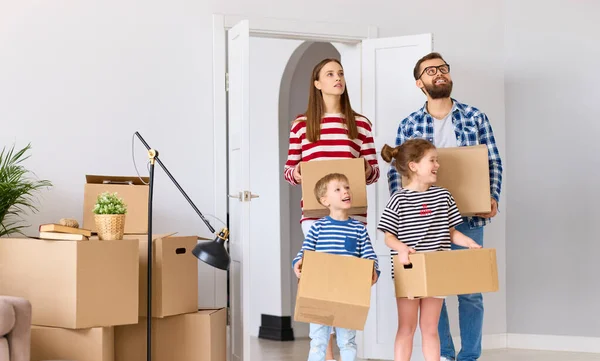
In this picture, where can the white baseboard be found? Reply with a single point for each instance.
(553, 343)
(494, 342)
(538, 342)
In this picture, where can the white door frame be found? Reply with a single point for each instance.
(271, 28)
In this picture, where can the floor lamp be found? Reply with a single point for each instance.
(212, 253)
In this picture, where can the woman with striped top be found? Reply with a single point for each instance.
(329, 129)
(420, 217)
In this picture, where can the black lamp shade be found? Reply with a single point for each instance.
(213, 253)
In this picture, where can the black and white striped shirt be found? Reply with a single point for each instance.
(421, 220)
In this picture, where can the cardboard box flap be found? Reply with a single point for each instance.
(109, 179)
(209, 311)
(145, 236)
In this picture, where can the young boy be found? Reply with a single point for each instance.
(341, 235)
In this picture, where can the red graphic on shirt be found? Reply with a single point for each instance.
(425, 211)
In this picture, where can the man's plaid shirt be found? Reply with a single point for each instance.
(472, 127)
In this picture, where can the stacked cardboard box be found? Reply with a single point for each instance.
(89, 297)
(79, 290)
(180, 331)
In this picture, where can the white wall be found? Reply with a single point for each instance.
(76, 76)
(298, 101)
(552, 132)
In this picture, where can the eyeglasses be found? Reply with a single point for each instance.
(432, 70)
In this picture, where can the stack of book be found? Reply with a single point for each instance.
(63, 233)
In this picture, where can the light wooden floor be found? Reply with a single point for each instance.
(265, 350)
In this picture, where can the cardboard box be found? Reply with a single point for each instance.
(465, 172)
(447, 273)
(334, 290)
(312, 171)
(73, 284)
(199, 336)
(134, 193)
(90, 344)
(174, 275)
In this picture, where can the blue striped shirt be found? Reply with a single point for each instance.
(472, 127)
(346, 238)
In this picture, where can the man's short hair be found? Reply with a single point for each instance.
(430, 56)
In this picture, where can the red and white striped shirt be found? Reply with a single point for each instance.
(333, 144)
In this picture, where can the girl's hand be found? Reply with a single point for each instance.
(472, 244)
(297, 175)
(298, 268)
(403, 255)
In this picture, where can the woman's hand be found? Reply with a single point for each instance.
(297, 175)
(368, 169)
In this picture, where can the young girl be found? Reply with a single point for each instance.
(420, 217)
(330, 129)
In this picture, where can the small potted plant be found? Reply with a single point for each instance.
(109, 216)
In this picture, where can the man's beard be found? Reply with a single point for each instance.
(439, 91)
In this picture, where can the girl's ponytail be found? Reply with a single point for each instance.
(413, 150)
(388, 153)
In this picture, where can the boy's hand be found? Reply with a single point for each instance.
(403, 255)
(375, 277)
(297, 175)
(298, 268)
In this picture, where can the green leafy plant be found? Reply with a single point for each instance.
(18, 190)
(108, 203)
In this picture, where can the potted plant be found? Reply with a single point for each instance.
(109, 216)
(18, 190)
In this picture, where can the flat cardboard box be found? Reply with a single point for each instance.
(199, 336)
(465, 172)
(447, 273)
(174, 275)
(334, 290)
(134, 193)
(312, 171)
(73, 284)
(90, 344)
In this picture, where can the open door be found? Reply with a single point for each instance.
(389, 94)
(240, 197)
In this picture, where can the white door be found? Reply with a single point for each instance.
(389, 94)
(238, 64)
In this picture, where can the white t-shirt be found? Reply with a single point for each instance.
(443, 132)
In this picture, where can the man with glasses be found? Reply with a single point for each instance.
(448, 123)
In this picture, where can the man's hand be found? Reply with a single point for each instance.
(368, 169)
(298, 268)
(493, 212)
(297, 175)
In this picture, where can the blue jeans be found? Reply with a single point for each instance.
(470, 315)
(319, 338)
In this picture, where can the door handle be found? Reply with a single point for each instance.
(244, 196)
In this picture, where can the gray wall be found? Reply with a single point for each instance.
(552, 87)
